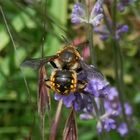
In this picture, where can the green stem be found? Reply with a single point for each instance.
(91, 45)
(42, 127)
(118, 60)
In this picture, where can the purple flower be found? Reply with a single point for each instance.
(106, 124)
(96, 14)
(122, 129)
(67, 100)
(123, 3)
(128, 109)
(105, 33)
(112, 108)
(80, 102)
(97, 87)
(79, 14)
(121, 30)
(113, 93)
(86, 116)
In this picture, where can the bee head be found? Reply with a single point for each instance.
(69, 54)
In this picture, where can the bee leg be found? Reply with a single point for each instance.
(47, 83)
(81, 85)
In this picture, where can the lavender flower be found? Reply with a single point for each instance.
(67, 100)
(111, 102)
(106, 124)
(128, 109)
(121, 29)
(97, 87)
(96, 14)
(105, 33)
(113, 108)
(122, 129)
(123, 3)
(86, 116)
(80, 15)
(80, 102)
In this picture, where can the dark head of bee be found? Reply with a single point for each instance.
(69, 57)
(63, 81)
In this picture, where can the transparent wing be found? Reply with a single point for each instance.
(90, 71)
(37, 62)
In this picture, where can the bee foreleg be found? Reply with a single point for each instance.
(47, 83)
(81, 85)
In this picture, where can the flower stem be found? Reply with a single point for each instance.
(56, 121)
(118, 62)
(91, 45)
(42, 127)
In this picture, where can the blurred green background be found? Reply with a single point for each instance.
(26, 20)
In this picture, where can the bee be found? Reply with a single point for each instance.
(68, 58)
(70, 73)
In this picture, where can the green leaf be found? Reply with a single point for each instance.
(18, 23)
(137, 98)
(4, 38)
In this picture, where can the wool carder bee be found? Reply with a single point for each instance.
(68, 68)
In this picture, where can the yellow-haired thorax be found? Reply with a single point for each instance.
(68, 58)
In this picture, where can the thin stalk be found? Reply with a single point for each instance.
(91, 45)
(96, 108)
(44, 26)
(42, 116)
(42, 120)
(55, 123)
(118, 60)
(15, 49)
(92, 55)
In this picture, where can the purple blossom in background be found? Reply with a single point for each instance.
(96, 14)
(121, 29)
(80, 15)
(106, 124)
(123, 3)
(112, 94)
(86, 116)
(111, 103)
(112, 108)
(122, 129)
(105, 33)
(128, 109)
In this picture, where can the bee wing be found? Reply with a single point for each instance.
(90, 71)
(37, 62)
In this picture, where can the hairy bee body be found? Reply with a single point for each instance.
(68, 67)
(63, 81)
(67, 58)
